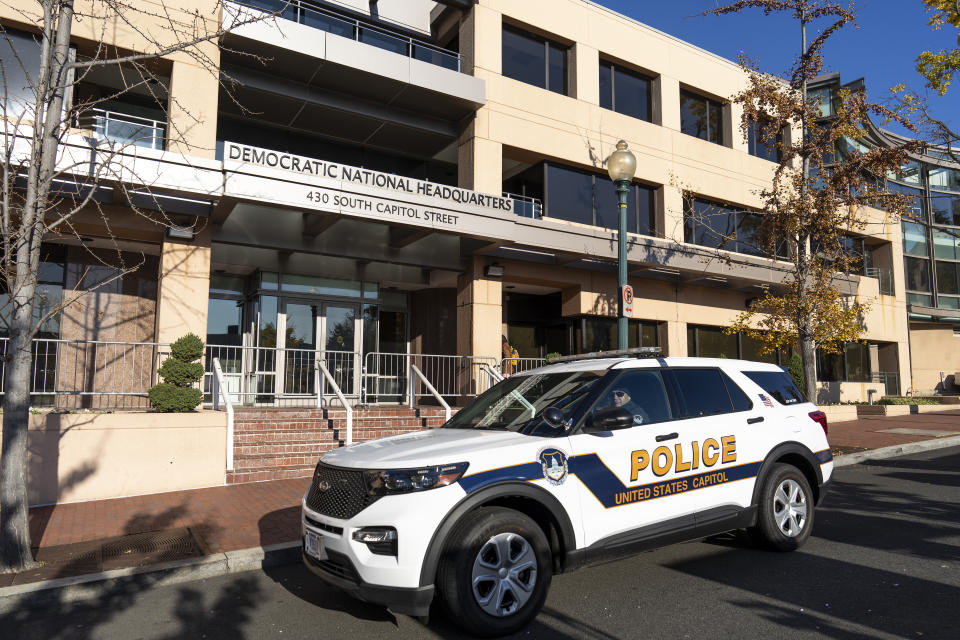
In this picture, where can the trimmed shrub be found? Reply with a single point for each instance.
(553, 355)
(901, 400)
(180, 372)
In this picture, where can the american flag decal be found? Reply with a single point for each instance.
(766, 401)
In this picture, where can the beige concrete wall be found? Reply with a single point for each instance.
(91, 456)
(933, 348)
(479, 312)
(184, 286)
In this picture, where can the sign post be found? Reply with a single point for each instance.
(626, 300)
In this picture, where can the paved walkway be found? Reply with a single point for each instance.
(80, 537)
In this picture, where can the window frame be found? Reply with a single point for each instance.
(548, 46)
(708, 103)
(613, 67)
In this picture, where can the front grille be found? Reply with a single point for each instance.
(346, 496)
(329, 528)
(337, 565)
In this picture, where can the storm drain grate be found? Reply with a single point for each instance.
(150, 547)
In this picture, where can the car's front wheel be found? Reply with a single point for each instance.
(785, 512)
(495, 572)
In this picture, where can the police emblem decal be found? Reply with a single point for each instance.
(554, 465)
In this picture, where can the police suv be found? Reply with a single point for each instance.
(581, 461)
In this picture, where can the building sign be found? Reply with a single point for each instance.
(626, 295)
(313, 168)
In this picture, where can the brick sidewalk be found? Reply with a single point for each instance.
(259, 514)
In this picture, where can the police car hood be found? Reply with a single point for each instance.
(421, 448)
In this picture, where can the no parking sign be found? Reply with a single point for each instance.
(626, 297)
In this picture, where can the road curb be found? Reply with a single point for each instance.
(896, 450)
(91, 585)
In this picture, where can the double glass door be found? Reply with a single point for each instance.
(312, 330)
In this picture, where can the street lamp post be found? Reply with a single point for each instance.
(621, 165)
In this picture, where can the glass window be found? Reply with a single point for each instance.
(856, 361)
(750, 350)
(824, 98)
(321, 286)
(945, 208)
(908, 173)
(608, 207)
(778, 384)
(600, 334)
(915, 209)
(701, 117)
(606, 85)
(947, 278)
(918, 274)
(624, 91)
(227, 284)
(740, 400)
(710, 224)
(948, 179)
(712, 342)
(224, 322)
(915, 239)
(534, 60)
(269, 281)
(557, 70)
(20, 59)
(762, 149)
(829, 366)
(948, 302)
(920, 299)
(946, 244)
(642, 393)
(702, 391)
(569, 194)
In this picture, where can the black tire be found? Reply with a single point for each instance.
(488, 530)
(784, 524)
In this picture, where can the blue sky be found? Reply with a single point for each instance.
(881, 49)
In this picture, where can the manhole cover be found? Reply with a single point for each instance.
(150, 547)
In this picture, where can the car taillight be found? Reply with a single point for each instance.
(821, 417)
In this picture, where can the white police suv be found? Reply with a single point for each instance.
(570, 464)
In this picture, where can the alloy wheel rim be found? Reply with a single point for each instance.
(790, 508)
(504, 574)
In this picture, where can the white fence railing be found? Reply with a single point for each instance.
(90, 374)
(386, 376)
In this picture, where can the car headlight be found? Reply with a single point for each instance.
(386, 482)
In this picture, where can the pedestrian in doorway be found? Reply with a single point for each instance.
(508, 354)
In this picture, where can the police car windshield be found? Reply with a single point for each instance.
(517, 403)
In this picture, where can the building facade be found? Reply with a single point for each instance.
(380, 184)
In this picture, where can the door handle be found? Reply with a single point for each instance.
(667, 436)
(755, 420)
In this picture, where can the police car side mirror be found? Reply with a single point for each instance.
(553, 417)
(610, 419)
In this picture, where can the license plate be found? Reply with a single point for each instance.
(313, 546)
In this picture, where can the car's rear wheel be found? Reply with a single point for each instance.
(495, 572)
(785, 511)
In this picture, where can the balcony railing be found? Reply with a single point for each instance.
(524, 206)
(312, 15)
(123, 128)
(885, 276)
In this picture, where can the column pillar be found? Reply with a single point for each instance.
(673, 338)
(183, 288)
(192, 109)
(479, 323)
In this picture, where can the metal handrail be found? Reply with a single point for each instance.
(220, 389)
(321, 365)
(533, 205)
(300, 7)
(426, 383)
(103, 117)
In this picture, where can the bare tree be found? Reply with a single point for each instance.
(823, 179)
(51, 171)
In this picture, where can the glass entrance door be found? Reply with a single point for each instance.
(341, 345)
(299, 351)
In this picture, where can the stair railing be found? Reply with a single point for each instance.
(220, 389)
(413, 394)
(322, 367)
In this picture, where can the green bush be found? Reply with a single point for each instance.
(180, 373)
(553, 355)
(176, 393)
(795, 369)
(171, 398)
(188, 348)
(901, 400)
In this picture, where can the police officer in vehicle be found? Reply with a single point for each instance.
(620, 397)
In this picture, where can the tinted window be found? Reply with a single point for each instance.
(606, 86)
(918, 274)
(702, 392)
(740, 400)
(570, 195)
(534, 60)
(756, 146)
(701, 117)
(624, 91)
(642, 393)
(778, 384)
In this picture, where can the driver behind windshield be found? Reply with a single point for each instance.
(620, 396)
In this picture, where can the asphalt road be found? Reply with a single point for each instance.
(883, 562)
